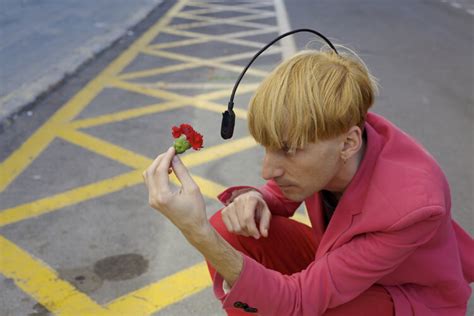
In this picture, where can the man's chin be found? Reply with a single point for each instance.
(292, 195)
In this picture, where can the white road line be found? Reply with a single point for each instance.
(288, 43)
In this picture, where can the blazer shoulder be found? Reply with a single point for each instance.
(404, 192)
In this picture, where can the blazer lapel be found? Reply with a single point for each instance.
(340, 222)
(352, 200)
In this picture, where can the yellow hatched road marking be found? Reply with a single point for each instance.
(195, 101)
(163, 293)
(22, 157)
(190, 65)
(222, 7)
(205, 62)
(159, 70)
(126, 114)
(228, 38)
(106, 149)
(129, 158)
(43, 283)
(71, 197)
(206, 21)
(39, 280)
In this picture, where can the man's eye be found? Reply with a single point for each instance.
(288, 150)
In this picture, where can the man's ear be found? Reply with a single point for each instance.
(352, 142)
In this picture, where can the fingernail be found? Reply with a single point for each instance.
(256, 237)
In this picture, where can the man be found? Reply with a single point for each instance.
(381, 240)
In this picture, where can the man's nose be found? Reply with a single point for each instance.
(271, 167)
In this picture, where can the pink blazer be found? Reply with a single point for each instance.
(392, 227)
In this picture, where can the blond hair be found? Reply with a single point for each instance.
(314, 95)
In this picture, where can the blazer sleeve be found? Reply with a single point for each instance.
(276, 201)
(337, 277)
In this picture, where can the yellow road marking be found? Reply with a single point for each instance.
(205, 21)
(190, 65)
(204, 62)
(196, 101)
(160, 294)
(67, 198)
(59, 296)
(22, 157)
(129, 158)
(43, 283)
(106, 149)
(32, 148)
(228, 38)
(126, 114)
(170, 290)
(222, 7)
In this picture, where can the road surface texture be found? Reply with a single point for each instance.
(76, 233)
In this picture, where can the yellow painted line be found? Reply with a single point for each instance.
(14, 165)
(32, 148)
(159, 70)
(203, 11)
(206, 62)
(224, 38)
(202, 104)
(170, 290)
(71, 197)
(190, 65)
(218, 151)
(43, 284)
(249, 87)
(114, 184)
(233, 38)
(237, 21)
(167, 291)
(135, 87)
(196, 40)
(179, 43)
(106, 149)
(90, 191)
(221, 7)
(196, 101)
(189, 85)
(190, 25)
(126, 114)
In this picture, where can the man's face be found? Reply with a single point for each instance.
(301, 173)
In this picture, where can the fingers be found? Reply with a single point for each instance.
(239, 217)
(248, 218)
(151, 174)
(162, 169)
(183, 175)
(232, 222)
(265, 220)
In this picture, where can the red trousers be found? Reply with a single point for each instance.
(296, 247)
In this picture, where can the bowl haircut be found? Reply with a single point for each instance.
(314, 95)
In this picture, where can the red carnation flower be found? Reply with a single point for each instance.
(187, 137)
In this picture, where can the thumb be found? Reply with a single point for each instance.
(265, 220)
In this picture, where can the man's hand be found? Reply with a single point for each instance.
(246, 212)
(185, 207)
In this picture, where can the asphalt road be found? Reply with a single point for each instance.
(73, 208)
(44, 41)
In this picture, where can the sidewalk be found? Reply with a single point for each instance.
(43, 42)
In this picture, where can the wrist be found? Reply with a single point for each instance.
(198, 233)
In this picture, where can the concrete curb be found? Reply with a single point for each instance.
(26, 95)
